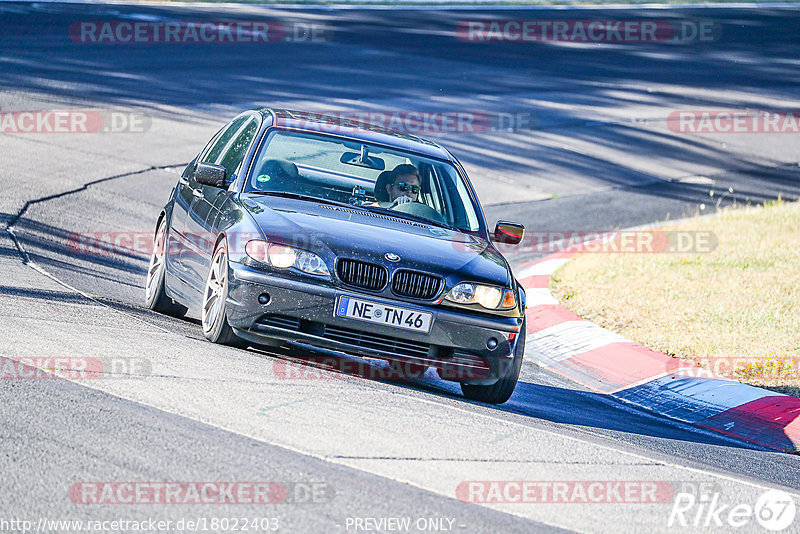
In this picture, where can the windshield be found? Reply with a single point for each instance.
(360, 174)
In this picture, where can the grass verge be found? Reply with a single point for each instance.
(734, 310)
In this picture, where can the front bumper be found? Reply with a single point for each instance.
(300, 313)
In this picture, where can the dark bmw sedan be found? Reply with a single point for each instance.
(339, 237)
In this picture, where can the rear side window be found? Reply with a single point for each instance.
(235, 154)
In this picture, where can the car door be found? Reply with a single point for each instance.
(228, 152)
(175, 235)
(189, 191)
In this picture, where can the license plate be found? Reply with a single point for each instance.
(394, 316)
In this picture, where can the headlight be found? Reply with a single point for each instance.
(310, 263)
(283, 257)
(492, 298)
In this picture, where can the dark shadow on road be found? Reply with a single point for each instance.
(372, 56)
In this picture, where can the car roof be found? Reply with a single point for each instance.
(322, 122)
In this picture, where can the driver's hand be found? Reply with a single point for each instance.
(402, 200)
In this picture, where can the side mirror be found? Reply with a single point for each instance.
(508, 232)
(208, 174)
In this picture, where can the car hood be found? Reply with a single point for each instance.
(334, 231)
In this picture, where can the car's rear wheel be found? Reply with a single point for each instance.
(500, 391)
(155, 295)
(215, 294)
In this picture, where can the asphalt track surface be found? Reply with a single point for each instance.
(600, 156)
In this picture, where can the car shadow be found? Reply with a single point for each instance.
(541, 402)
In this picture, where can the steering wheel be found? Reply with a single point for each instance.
(420, 209)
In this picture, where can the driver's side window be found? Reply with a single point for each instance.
(238, 148)
(222, 141)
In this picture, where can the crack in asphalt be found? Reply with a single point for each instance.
(16, 218)
(25, 258)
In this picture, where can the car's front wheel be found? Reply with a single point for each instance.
(215, 294)
(155, 295)
(500, 391)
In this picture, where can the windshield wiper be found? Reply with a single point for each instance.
(300, 196)
(404, 215)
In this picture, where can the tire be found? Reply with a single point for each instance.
(500, 391)
(215, 294)
(154, 293)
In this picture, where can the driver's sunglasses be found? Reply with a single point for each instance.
(407, 187)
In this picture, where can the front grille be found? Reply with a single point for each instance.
(362, 274)
(349, 336)
(415, 284)
(377, 342)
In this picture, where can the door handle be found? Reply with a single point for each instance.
(183, 181)
(197, 193)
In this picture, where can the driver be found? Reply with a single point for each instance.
(404, 184)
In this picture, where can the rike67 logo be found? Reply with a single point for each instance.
(774, 510)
